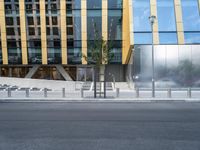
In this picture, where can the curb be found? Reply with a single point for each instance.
(98, 100)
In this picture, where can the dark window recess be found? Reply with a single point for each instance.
(55, 31)
(11, 44)
(38, 20)
(57, 43)
(9, 21)
(69, 31)
(10, 31)
(54, 21)
(48, 31)
(30, 21)
(47, 20)
(18, 21)
(69, 20)
(31, 31)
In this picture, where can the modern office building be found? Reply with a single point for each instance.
(45, 38)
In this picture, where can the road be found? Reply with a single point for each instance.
(100, 126)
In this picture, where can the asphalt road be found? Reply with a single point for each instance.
(100, 126)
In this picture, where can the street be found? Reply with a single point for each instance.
(100, 126)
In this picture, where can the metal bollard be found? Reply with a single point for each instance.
(82, 94)
(27, 93)
(137, 93)
(169, 93)
(63, 93)
(9, 92)
(45, 92)
(117, 92)
(189, 93)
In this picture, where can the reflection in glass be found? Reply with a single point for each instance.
(168, 37)
(143, 38)
(192, 37)
(190, 12)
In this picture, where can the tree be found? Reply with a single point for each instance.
(99, 54)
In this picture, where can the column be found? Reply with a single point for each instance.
(23, 32)
(63, 31)
(3, 33)
(155, 26)
(179, 21)
(43, 31)
(84, 29)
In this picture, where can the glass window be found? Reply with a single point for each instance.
(30, 21)
(143, 38)
(114, 3)
(9, 21)
(141, 13)
(94, 22)
(166, 15)
(192, 37)
(191, 18)
(114, 24)
(168, 38)
(94, 4)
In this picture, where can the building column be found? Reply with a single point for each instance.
(43, 31)
(179, 21)
(63, 31)
(84, 29)
(153, 4)
(3, 33)
(104, 21)
(127, 30)
(23, 32)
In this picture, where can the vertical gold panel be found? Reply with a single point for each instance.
(3, 33)
(63, 31)
(179, 22)
(84, 29)
(126, 26)
(155, 26)
(105, 19)
(23, 32)
(43, 31)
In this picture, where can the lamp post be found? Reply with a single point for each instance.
(152, 21)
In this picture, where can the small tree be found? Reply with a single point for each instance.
(100, 54)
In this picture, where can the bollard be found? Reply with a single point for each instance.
(27, 93)
(82, 94)
(63, 92)
(169, 93)
(45, 92)
(9, 92)
(189, 93)
(117, 92)
(137, 93)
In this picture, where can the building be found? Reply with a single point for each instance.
(45, 38)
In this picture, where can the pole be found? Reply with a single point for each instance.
(153, 68)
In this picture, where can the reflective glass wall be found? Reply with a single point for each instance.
(53, 31)
(32, 12)
(191, 21)
(94, 23)
(115, 29)
(73, 13)
(166, 22)
(13, 31)
(142, 28)
(175, 66)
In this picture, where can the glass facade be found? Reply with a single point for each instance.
(166, 22)
(191, 20)
(115, 29)
(12, 21)
(32, 13)
(175, 66)
(142, 28)
(73, 13)
(53, 29)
